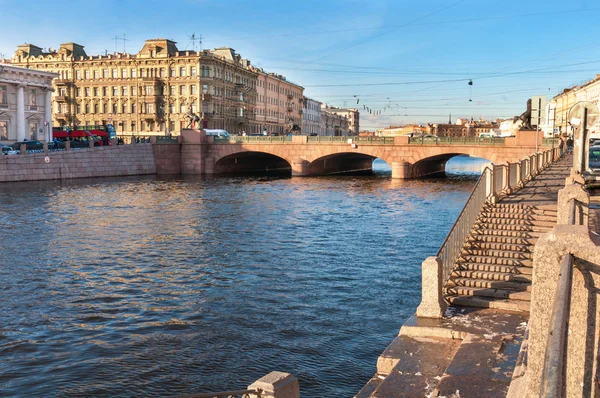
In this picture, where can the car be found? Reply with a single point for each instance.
(32, 145)
(216, 133)
(593, 171)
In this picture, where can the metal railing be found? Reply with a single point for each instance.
(552, 385)
(494, 181)
(235, 139)
(456, 141)
(456, 238)
(228, 394)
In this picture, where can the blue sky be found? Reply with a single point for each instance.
(410, 59)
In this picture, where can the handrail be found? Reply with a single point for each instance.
(572, 211)
(455, 240)
(554, 359)
(226, 394)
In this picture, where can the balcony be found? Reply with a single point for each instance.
(60, 116)
(61, 98)
(62, 82)
(290, 97)
(241, 119)
(290, 109)
(206, 97)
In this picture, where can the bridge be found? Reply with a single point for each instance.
(311, 156)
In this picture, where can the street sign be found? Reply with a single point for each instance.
(577, 112)
(582, 115)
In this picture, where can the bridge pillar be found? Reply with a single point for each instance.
(401, 170)
(300, 167)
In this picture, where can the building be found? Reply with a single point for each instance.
(311, 117)
(353, 117)
(278, 103)
(333, 123)
(151, 91)
(558, 107)
(464, 128)
(407, 130)
(25, 104)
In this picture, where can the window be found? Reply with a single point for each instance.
(149, 108)
(78, 74)
(96, 74)
(172, 72)
(133, 90)
(95, 91)
(143, 72)
(193, 71)
(124, 108)
(78, 92)
(105, 73)
(133, 108)
(193, 89)
(115, 73)
(86, 91)
(149, 90)
(182, 108)
(205, 89)
(114, 109)
(182, 71)
(182, 90)
(86, 74)
(105, 108)
(124, 91)
(124, 73)
(95, 108)
(173, 90)
(87, 108)
(133, 72)
(161, 72)
(115, 91)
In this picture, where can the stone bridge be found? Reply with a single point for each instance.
(310, 156)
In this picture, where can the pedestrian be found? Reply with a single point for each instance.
(569, 144)
(561, 145)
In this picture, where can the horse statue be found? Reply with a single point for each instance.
(192, 119)
(525, 117)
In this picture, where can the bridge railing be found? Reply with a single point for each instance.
(495, 181)
(456, 141)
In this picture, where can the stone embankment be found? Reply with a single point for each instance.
(109, 161)
(473, 351)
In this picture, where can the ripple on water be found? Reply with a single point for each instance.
(138, 286)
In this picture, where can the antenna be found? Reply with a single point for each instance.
(194, 39)
(117, 38)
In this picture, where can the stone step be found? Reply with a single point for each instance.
(505, 269)
(478, 232)
(490, 284)
(489, 292)
(495, 253)
(496, 260)
(488, 302)
(501, 239)
(483, 245)
(481, 367)
(514, 221)
(491, 275)
(514, 207)
(371, 386)
(483, 226)
(421, 363)
(519, 216)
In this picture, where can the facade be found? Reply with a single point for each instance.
(278, 103)
(464, 128)
(149, 92)
(558, 107)
(409, 129)
(311, 117)
(353, 117)
(333, 123)
(25, 104)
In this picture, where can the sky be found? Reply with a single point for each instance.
(409, 61)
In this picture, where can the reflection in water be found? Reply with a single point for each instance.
(145, 286)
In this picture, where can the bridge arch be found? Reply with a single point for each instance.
(249, 161)
(435, 165)
(341, 162)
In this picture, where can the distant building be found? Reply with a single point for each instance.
(464, 128)
(352, 115)
(25, 104)
(311, 117)
(333, 123)
(557, 108)
(407, 130)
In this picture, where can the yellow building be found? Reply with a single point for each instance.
(150, 92)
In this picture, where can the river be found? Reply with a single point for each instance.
(149, 286)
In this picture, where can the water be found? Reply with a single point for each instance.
(145, 286)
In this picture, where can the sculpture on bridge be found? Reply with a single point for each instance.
(525, 117)
(192, 118)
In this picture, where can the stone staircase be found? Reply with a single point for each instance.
(496, 264)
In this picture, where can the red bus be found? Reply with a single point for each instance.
(82, 134)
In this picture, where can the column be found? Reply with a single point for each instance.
(21, 128)
(401, 170)
(48, 115)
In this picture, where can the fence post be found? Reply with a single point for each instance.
(490, 187)
(432, 298)
(519, 180)
(506, 178)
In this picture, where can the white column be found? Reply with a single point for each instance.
(48, 115)
(21, 128)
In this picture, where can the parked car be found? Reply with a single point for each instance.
(5, 149)
(593, 172)
(31, 145)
